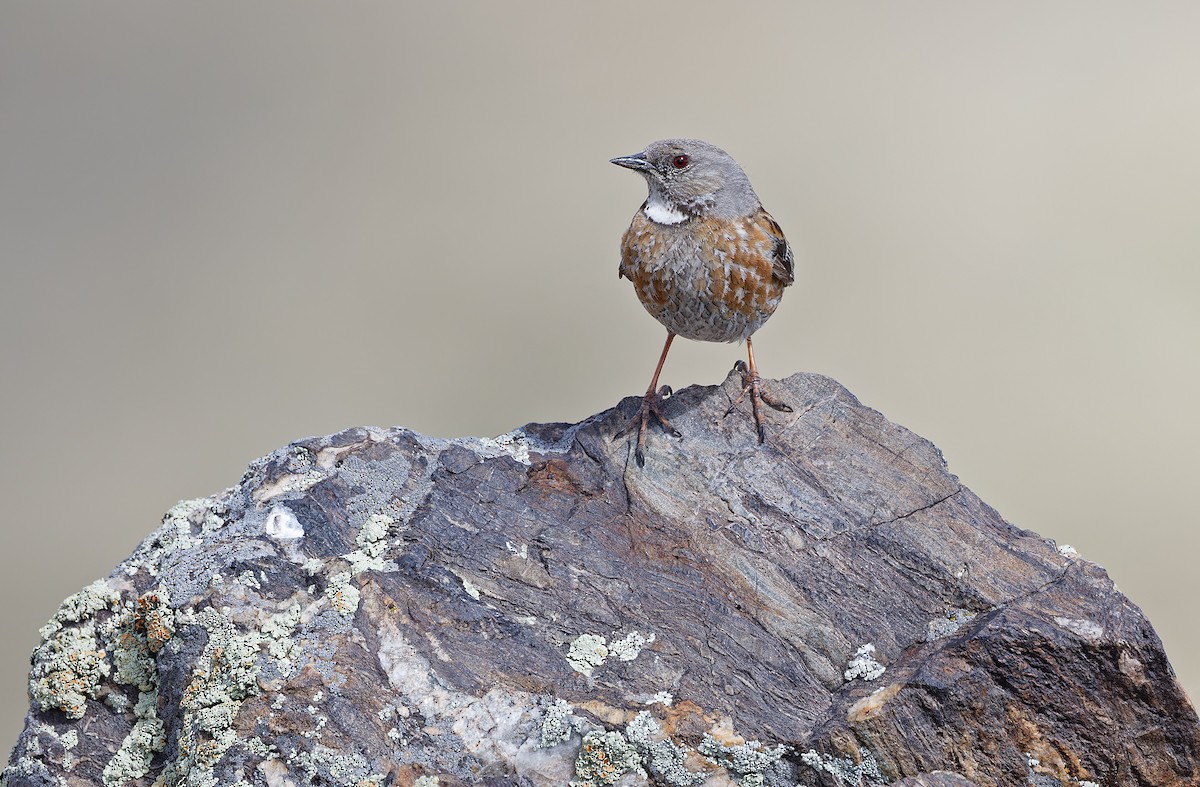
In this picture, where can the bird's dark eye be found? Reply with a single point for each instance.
(680, 161)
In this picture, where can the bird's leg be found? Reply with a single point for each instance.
(651, 406)
(752, 384)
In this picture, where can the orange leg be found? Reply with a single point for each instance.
(751, 384)
(651, 407)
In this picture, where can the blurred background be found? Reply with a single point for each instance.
(227, 225)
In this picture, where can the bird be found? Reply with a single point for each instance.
(706, 260)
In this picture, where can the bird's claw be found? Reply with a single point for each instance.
(752, 384)
(651, 407)
(775, 404)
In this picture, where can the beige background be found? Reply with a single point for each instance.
(225, 225)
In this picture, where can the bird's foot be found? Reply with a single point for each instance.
(752, 384)
(651, 406)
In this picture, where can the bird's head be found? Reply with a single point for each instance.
(693, 178)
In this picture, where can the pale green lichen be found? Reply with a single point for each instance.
(371, 540)
(67, 670)
(33, 758)
(299, 482)
(342, 594)
(180, 515)
(372, 543)
(79, 606)
(604, 758)
(279, 633)
(28, 763)
(118, 702)
(257, 747)
(954, 619)
(587, 652)
(629, 647)
(514, 444)
(663, 758)
(225, 674)
(558, 725)
(148, 736)
(865, 772)
(248, 579)
(426, 781)
(178, 519)
(664, 698)
(299, 459)
(864, 665)
(137, 634)
(324, 764)
(212, 522)
(749, 761)
(320, 720)
(70, 661)
(174, 536)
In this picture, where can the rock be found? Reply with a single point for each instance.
(832, 608)
(936, 779)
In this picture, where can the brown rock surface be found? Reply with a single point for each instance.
(833, 608)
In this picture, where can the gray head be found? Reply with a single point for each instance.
(691, 177)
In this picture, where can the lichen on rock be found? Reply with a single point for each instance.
(604, 758)
(378, 607)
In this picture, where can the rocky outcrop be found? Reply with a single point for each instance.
(832, 608)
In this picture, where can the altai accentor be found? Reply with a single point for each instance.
(705, 260)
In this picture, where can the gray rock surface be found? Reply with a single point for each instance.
(381, 608)
(936, 779)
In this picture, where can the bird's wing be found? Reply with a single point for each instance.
(782, 262)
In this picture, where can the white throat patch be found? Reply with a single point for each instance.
(660, 212)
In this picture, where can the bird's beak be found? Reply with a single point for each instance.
(635, 162)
